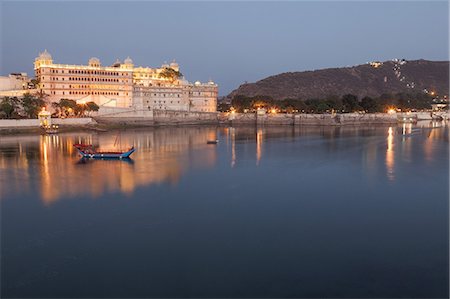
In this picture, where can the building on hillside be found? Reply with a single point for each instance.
(123, 85)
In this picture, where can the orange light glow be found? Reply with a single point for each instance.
(391, 111)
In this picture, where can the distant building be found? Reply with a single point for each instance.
(375, 64)
(15, 85)
(123, 85)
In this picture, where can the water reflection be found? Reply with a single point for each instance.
(390, 154)
(54, 170)
(49, 165)
(259, 141)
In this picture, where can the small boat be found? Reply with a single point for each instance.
(88, 151)
(212, 141)
(407, 118)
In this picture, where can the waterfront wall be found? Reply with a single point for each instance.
(345, 119)
(431, 115)
(34, 123)
(306, 119)
(130, 116)
(166, 117)
(19, 123)
(84, 121)
(173, 117)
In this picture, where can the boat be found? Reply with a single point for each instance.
(88, 151)
(212, 141)
(83, 160)
(407, 118)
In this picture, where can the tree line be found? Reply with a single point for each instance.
(29, 106)
(344, 104)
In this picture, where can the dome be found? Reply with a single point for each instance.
(117, 63)
(45, 55)
(174, 66)
(94, 61)
(211, 82)
(128, 60)
(197, 83)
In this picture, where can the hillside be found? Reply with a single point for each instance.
(362, 80)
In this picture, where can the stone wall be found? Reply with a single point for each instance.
(238, 118)
(431, 115)
(84, 121)
(306, 119)
(166, 117)
(345, 119)
(34, 123)
(129, 116)
(19, 123)
(275, 119)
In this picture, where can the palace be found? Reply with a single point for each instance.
(123, 85)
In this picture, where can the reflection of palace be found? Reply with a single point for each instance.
(49, 165)
(163, 156)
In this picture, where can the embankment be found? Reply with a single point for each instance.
(111, 118)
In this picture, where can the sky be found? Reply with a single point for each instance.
(229, 42)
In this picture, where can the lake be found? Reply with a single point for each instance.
(267, 212)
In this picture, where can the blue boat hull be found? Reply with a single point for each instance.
(107, 155)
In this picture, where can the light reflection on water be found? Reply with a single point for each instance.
(164, 155)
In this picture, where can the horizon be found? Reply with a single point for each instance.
(217, 40)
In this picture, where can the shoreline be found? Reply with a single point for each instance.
(108, 122)
(111, 126)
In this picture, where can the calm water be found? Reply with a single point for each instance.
(268, 212)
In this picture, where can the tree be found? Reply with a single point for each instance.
(350, 103)
(322, 106)
(34, 83)
(32, 105)
(57, 108)
(8, 107)
(223, 107)
(370, 105)
(68, 107)
(40, 94)
(170, 73)
(90, 106)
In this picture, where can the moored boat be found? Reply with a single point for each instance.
(407, 118)
(88, 151)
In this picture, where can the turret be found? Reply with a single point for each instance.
(44, 58)
(94, 61)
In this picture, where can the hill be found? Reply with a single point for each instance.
(371, 80)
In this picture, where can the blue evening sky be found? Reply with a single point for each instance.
(229, 42)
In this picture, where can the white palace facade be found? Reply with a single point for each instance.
(123, 85)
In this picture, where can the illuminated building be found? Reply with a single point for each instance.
(123, 85)
(14, 85)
